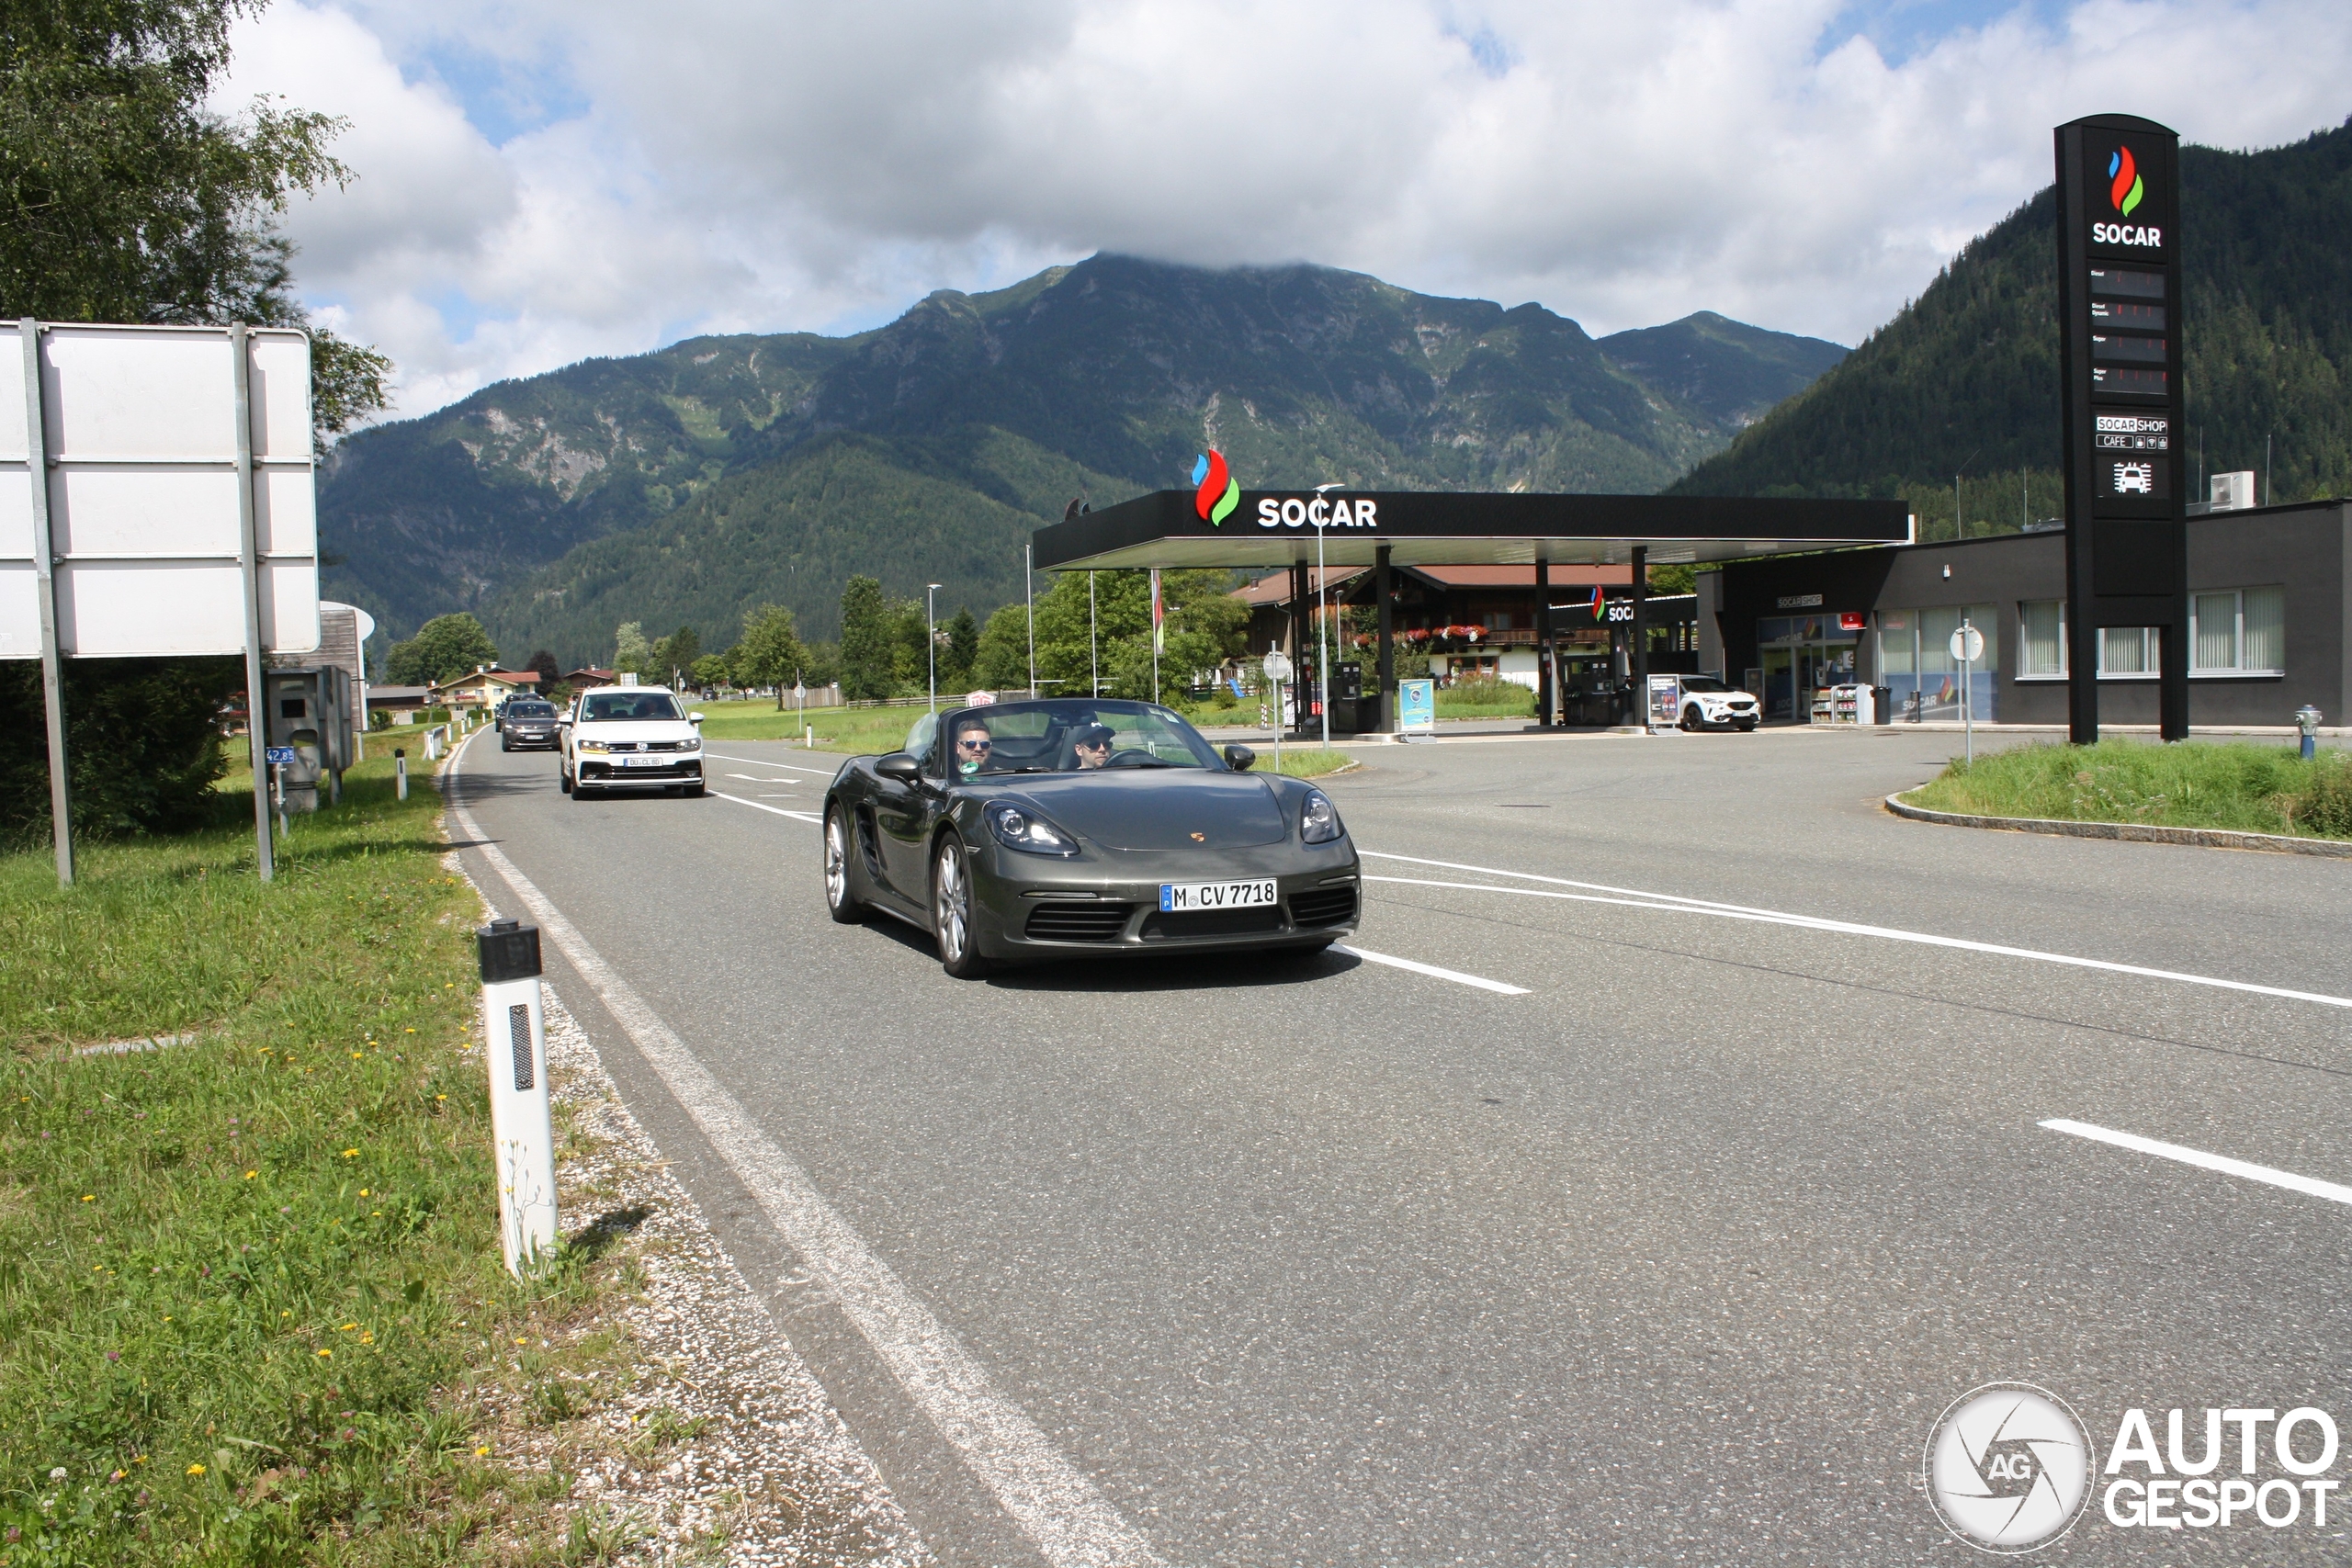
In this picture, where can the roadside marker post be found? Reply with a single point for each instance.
(513, 1025)
(400, 772)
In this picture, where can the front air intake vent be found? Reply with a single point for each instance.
(1089, 921)
(1324, 907)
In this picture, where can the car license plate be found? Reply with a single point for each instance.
(1182, 895)
(644, 761)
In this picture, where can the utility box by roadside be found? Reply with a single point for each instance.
(522, 1130)
(310, 709)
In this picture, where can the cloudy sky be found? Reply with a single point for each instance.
(543, 180)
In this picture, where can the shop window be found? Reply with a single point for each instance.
(1915, 665)
(2041, 637)
(2232, 631)
(2129, 650)
(2238, 631)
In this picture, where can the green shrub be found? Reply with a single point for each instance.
(142, 737)
(2326, 808)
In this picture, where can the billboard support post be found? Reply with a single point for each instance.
(52, 676)
(249, 571)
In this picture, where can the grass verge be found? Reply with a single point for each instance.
(2242, 787)
(249, 1284)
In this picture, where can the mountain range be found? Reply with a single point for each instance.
(683, 486)
(1964, 380)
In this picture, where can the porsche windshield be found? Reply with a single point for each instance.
(1072, 735)
(606, 706)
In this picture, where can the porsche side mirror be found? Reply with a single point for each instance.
(1238, 758)
(899, 765)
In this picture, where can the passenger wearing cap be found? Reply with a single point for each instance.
(1092, 747)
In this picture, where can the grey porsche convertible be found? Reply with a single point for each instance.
(1067, 826)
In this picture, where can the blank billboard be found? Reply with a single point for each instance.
(139, 429)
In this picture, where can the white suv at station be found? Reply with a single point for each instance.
(631, 737)
(1711, 703)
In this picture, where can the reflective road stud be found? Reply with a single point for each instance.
(521, 1136)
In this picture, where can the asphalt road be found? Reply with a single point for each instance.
(1675, 1257)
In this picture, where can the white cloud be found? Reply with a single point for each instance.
(730, 164)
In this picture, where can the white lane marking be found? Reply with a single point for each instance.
(764, 763)
(2199, 1157)
(1456, 976)
(754, 778)
(780, 811)
(1674, 903)
(1053, 1502)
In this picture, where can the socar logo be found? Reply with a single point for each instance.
(1215, 491)
(2125, 187)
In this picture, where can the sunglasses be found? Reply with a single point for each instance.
(974, 745)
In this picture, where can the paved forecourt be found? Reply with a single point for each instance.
(1671, 1239)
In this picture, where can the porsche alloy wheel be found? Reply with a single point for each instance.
(951, 907)
(839, 900)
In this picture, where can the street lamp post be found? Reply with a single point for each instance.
(1323, 638)
(931, 640)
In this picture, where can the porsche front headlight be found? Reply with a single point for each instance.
(1318, 823)
(1019, 828)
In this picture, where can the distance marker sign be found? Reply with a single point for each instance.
(2119, 301)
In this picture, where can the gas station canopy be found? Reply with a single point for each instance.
(1274, 528)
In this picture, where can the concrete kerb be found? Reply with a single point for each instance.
(2135, 833)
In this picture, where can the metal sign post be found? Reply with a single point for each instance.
(1968, 647)
(1277, 667)
(52, 676)
(249, 572)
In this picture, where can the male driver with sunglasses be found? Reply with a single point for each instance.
(974, 746)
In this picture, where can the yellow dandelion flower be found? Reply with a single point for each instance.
(326, 1352)
(251, 1174)
(89, 1197)
(349, 1153)
(196, 1469)
(349, 1326)
(481, 1451)
(363, 1193)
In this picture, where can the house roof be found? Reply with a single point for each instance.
(488, 678)
(1275, 587)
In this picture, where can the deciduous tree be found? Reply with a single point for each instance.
(444, 647)
(770, 653)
